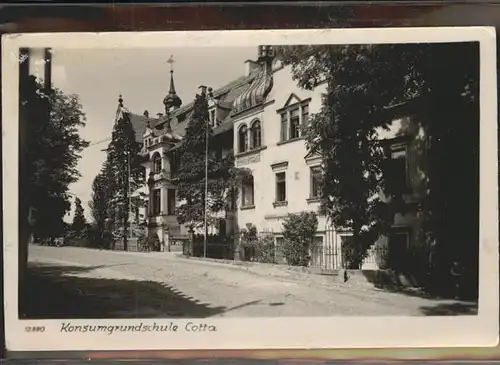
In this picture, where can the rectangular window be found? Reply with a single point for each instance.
(247, 193)
(136, 214)
(398, 245)
(174, 163)
(280, 187)
(398, 174)
(294, 124)
(305, 115)
(171, 201)
(156, 201)
(315, 182)
(284, 127)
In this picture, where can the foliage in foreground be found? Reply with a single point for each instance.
(262, 245)
(363, 83)
(299, 231)
(50, 149)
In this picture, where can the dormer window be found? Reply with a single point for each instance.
(293, 118)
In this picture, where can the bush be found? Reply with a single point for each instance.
(249, 239)
(259, 248)
(150, 244)
(298, 234)
(265, 251)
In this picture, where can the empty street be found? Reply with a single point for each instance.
(69, 282)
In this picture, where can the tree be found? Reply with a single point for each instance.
(190, 180)
(79, 222)
(299, 231)
(99, 203)
(122, 159)
(363, 82)
(51, 150)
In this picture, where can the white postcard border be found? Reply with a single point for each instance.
(262, 333)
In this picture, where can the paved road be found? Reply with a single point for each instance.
(99, 283)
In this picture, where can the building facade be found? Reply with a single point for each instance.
(258, 118)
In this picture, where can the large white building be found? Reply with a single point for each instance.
(258, 117)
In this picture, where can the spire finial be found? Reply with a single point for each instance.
(171, 100)
(172, 86)
(120, 99)
(171, 61)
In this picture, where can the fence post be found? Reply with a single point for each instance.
(236, 245)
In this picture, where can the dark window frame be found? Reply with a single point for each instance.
(280, 181)
(248, 185)
(395, 149)
(291, 127)
(157, 163)
(315, 193)
(170, 207)
(243, 139)
(156, 201)
(256, 134)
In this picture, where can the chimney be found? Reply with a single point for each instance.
(250, 66)
(203, 90)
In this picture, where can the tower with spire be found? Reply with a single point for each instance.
(172, 100)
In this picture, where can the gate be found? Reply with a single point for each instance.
(332, 251)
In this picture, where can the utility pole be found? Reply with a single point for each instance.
(129, 195)
(206, 181)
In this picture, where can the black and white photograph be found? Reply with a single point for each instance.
(178, 182)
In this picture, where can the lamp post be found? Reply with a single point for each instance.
(205, 230)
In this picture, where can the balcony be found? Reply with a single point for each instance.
(161, 175)
(163, 219)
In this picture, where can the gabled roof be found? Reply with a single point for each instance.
(139, 125)
(225, 94)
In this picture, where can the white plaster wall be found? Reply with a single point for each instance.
(265, 216)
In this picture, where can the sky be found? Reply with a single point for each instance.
(142, 76)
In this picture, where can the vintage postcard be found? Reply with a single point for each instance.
(250, 189)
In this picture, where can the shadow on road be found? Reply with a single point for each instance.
(407, 284)
(63, 292)
(450, 309)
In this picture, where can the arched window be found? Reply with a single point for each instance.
(256, 134)
(157, 163)
(243, 139)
